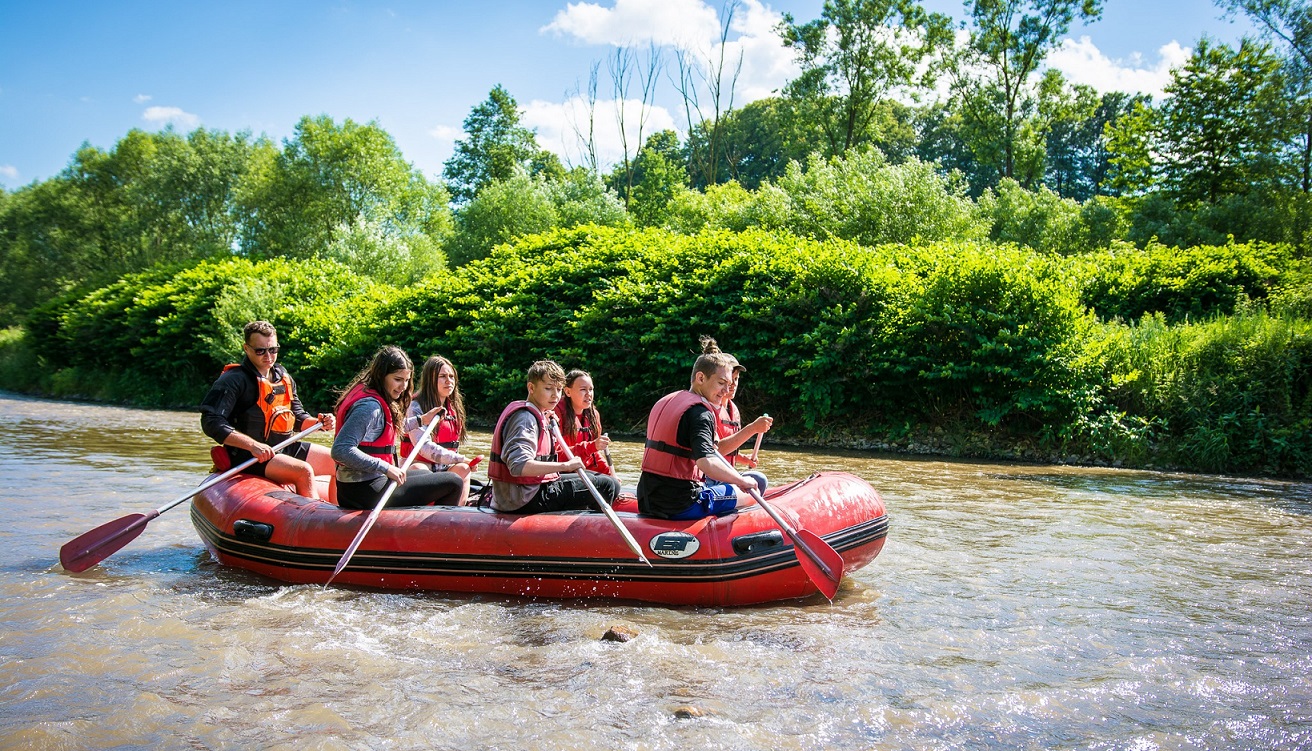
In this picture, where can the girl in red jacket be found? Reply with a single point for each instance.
(580, 423)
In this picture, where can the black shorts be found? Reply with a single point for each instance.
(420, 489)
(299, 450)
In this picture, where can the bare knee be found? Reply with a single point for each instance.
(284, 469)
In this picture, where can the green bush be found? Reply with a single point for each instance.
(160, 337)
(1228, 395)
(832, 334)
(1189, 284)
(994, 330)
(862, 198)
(525, 205)
(859, 197)
(992, 345)
(18, 364)
(1045, 221)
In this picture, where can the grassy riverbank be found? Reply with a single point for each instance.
(1197, 359)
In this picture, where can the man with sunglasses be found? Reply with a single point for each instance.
(254, 405)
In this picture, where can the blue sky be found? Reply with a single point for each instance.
(74, 72)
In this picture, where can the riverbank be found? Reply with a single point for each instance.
(922, 442)
(1198, 360)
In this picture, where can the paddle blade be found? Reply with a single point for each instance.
(85, 551)
(820, 561)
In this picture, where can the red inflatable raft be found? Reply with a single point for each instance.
(738, 559)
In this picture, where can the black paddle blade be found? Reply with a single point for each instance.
(85, 551)
(820, 561)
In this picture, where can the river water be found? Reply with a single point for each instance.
(1013, 607)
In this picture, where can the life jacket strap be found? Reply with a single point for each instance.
(678, 451)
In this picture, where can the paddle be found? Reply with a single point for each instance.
(85, 551)
(605, 507)
(756, 448)
(382, 501)
(822, 564)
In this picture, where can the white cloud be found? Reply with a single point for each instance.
(562, 128)
(692, 28)
(8, 171)
(1082, 62)
(766, 63)
(445, 133)
(679, 23)
(141, 98)
(174, 115)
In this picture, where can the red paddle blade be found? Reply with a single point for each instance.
(85, 551)
(820, 561)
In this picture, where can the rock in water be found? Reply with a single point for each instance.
(619, 633)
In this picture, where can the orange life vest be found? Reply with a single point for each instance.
(384, 446)
(497, 469)
(664, 455)
(275, 421)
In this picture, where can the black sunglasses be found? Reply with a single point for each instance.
(262, 351)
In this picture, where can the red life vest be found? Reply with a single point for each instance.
(585, 433)
(271, 419)
(730, 422)
(546, 452)
(446, 435)
(384, 446)
(664, 455)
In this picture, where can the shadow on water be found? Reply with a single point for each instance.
(209, 581)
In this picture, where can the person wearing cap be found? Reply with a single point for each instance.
(683, 475)
(732, 433)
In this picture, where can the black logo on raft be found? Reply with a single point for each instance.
(674, 544)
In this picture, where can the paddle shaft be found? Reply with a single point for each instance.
(825, 574)
(86, 550)
(383, 499)
(798, 542)
(756, 447)
(596, 495)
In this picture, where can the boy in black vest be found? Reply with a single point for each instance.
(254, 405)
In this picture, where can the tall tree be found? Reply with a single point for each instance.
(1009, 41)
(1075, 117)
(329, 178)
(626, 68)
(1211, 159)
(1290, 22)
(756, 142)
(659, 175)
(715, 74)
(154, 197)
(944, 138)
(1224, 123)
(854, 56)
(494, 148)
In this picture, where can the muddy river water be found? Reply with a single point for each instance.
(1013, 607)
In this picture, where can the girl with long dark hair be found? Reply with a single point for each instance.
(370, 414)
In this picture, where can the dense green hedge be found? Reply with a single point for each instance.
(160, 337)
(843, 344)
(1233, 394)
(833, 335)
(1182, 284)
